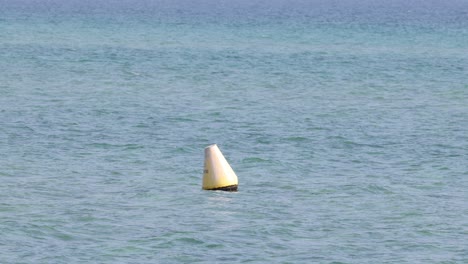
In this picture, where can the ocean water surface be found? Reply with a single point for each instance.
(345, 121)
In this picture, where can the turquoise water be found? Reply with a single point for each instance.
(345, 121)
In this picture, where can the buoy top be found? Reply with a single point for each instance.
(210, 146)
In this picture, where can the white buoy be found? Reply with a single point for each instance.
(218, 174)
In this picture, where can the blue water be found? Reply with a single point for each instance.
(345, 121)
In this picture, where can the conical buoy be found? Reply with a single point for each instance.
(218, 174)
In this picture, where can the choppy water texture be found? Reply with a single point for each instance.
(346, 122)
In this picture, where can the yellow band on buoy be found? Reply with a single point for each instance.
(218, 174)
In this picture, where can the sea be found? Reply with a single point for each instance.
(345, 121)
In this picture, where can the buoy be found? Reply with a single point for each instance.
(218, 174)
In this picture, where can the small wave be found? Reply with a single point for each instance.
(133, 146)
(101, 145)
(109, 146)
(190, 240)
(182, 119)
(254, 160)
(181, 150)
(296, 139)
(372, 188)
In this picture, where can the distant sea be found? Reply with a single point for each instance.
(345, 121)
